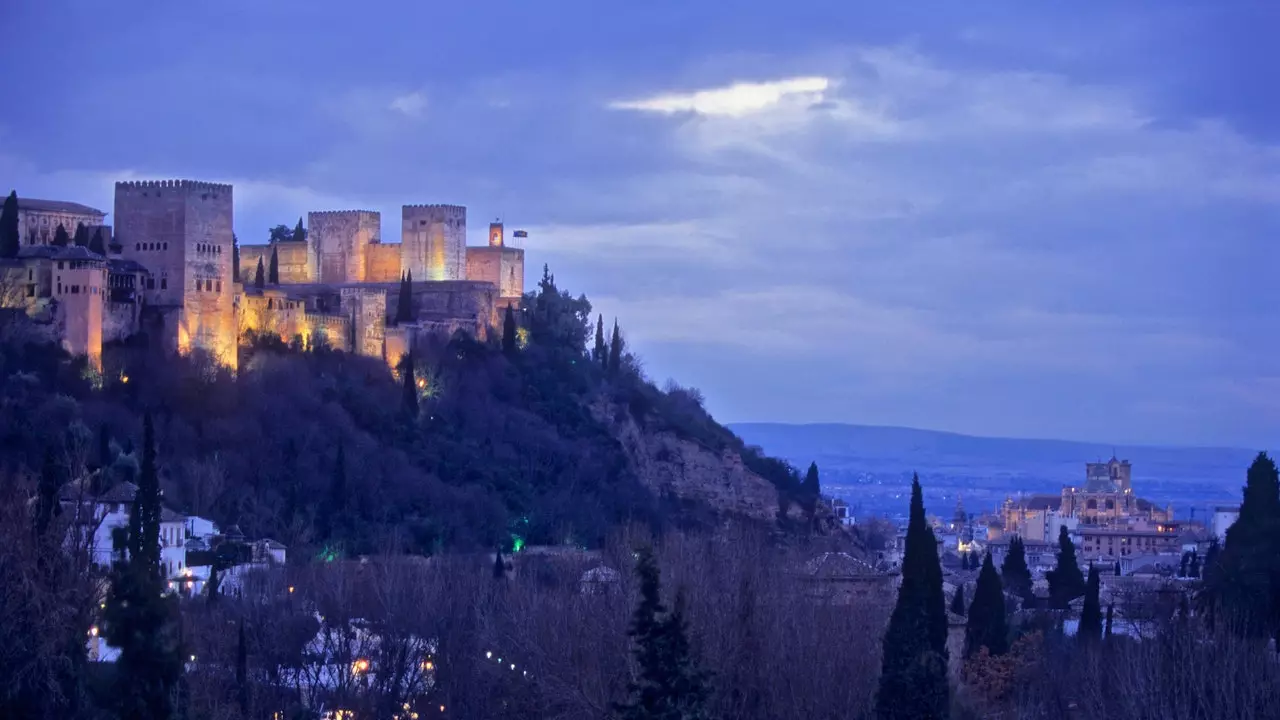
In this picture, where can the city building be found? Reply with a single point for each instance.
(38, 220)
(1105, 500)
(1224, 516)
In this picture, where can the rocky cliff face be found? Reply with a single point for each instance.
(671, 466)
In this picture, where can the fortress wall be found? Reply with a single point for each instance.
(503, 267)
(484, 264)
(249, 256)
(120, 320)
(382, 263)
(291, 259)
(209, 320)
(366, 307)
(434, 241)
(338, 242)
(181, 231)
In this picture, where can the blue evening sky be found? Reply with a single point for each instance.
(1003, 218)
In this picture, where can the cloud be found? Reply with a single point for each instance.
(412, 104)
(736, 100)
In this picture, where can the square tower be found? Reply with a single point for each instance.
(181, 231)
(434, 242)
(338, 244)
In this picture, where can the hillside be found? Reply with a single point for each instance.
(872, 466)
(475, 445)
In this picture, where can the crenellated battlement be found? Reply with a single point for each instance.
(128, 185)
(337, 213)
(437, 206)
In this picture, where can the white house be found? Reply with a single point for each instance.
(1224, 516)
(173, 543)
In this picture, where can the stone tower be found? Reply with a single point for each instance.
(181, 231)
(495, 234)
(434, 242)
(339, 242)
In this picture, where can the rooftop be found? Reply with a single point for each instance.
(54, 252)
(61, 206)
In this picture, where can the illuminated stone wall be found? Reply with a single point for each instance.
(338, 244)
(501, 266)
(79, 292)
(382, 263)
(181, 231)
(292, 260)
(433, 241)
(367, 309)
(38, 220)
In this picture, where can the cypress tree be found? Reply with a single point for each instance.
(601, 353)
(1242, 580)
(509, 332)
(47, 492)
(615, 350)
(1118, 568)
(10, 243)
(1193, 568)
(81, 238)
(235, 258)
(144, 520)
(299, 232)
(97, 244)
(273, 270)
(1110, 616)
(810, 490)
(212, 590)
(670, 685)
(336, 501)
(259, 278)
(105, 456)
(913, 678)
(1017, 576)
(957, 601)
(242, 672)
(410, 389)
(139, 619)
(404, 303)
(987, 626)
(1066, 582)
(499, 567)
(1091, 615)
(60, 237)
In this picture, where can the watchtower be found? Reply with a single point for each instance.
(434, 242)
(181, 231)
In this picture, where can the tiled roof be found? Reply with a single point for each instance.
(831, 565)
(61, 206)
(125, 265)
(124, 492)
(53, 252)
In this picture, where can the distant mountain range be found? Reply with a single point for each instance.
(871, 466)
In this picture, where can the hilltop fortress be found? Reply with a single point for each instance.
(168, 266)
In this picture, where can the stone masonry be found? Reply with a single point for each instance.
(433, 241)
(181, 229)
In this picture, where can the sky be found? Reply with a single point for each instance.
(1010, 219)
